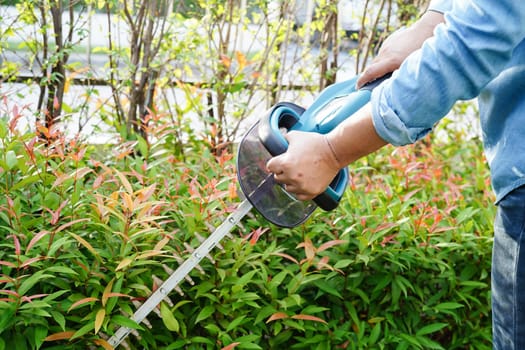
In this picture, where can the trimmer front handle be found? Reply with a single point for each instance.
(335, 104)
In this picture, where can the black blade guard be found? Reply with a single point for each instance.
(258, 185)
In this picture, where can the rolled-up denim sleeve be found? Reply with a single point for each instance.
(440, 5)
(464, 55)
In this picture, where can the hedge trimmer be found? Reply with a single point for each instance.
(263, 141)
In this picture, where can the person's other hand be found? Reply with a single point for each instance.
(399, 45)
(307, 167)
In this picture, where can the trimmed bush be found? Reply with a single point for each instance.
(88, 233)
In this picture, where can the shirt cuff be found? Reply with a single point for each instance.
(388, 124)
(441, 6)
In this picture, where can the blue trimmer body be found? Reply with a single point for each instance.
(266, 139)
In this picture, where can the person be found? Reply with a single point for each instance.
(458, 50)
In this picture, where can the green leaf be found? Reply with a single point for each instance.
(448, 306)
(26, 181)
(247, 277)
(62, 269)
(374, 335)
(29, 282)
(20, 342)
(3, 134)
(84, 330)
(35, 304)
(59, 319)
(264, 313)
(202, 340)
(181, 303)
(10, 159)
(7, 316)
(125, 322)
(325, 287)
(235, 323)
(206, 312)
(167, 318)
(341, 264)
(40, 335)
(429, 344)
(431, 328)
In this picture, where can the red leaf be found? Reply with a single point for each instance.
(17, 244)
(330, 244)
(385, 226)
(59, 336)
(14, 119)
(7, 263)
(81, 302)
(9, 300)
(36, 296)
(389, 239)
(226, 61)
(323, 263)
(231, 346)
(410, 194)
(9, 292)
(308, 318)
(286, 256)
(56, 103)
(103, 343)
(256, 234)
(309, 248)
(7, 279)
(277, 316)
(32, 260)
(71, 223)
(35, 239)
(55, 215)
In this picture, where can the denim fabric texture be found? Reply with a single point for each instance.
(508, 273)
(478, 52)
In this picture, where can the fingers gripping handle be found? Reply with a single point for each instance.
(285, 117)
(335, 104)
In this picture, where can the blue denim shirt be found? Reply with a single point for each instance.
(479, 52)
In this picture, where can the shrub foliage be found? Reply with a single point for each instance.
(89, 232)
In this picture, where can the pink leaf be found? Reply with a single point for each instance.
(17, 244)
(256, 234)
(231, 346)
(32, 260)
(308, 318)
(9, 292)
(82, 302)
(309, 248)
(286, 256)
(330, 244)
(7, 263)
(277, 316)
(35, 240)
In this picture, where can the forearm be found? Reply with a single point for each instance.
(425, 25)
(354, 138)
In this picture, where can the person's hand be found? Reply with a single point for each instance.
(399, 45)
(307, 167)
(392, 53)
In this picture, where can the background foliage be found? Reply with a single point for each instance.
(88, 231)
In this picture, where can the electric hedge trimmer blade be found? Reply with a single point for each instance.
(263, 141)
(184, 269)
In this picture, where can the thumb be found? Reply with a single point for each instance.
(274, 165)
(370, 74)
(279, 163)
